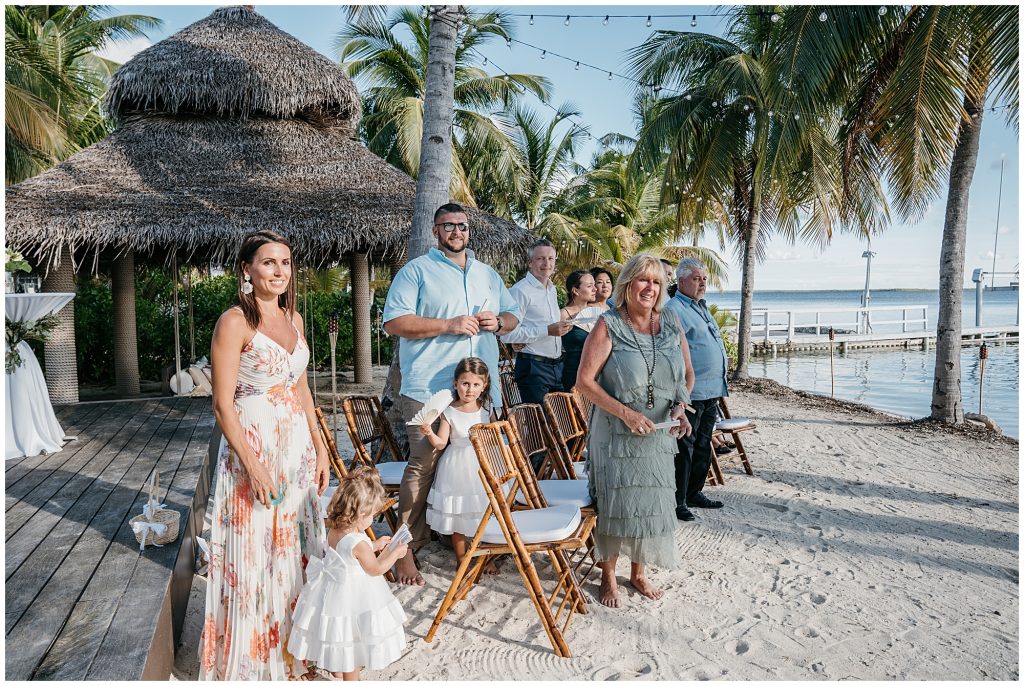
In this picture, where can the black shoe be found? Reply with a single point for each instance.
(725, 448)
(684, 514)
(701, 500)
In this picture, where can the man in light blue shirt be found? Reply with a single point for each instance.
(444, 306)
(708, 357)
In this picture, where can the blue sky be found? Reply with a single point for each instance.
(907, 255)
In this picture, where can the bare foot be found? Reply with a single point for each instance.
(609, 593)
(491, 569)
(644, 586)
(406, 572)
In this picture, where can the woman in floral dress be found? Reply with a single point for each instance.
(272, 467)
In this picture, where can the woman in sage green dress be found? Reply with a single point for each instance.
(636, 369)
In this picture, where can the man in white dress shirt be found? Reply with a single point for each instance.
(539, 363)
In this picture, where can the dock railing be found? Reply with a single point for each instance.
(808, 323)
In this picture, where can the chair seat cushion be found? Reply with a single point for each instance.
(391, 472)
(580, 468)
(537, 526)
(562, 492)
(734, 424)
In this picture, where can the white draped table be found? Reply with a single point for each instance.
(31, 426)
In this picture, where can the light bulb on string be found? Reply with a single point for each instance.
(693, 21)
(566, 22)
(746, 108)
(796, 117)
(485, 61)
(609, 76)
(605, 22)
(823, 16)
(508, 42)
(775, 18)
(543, 54)
(648, 21)
(531, 20)
(577, 66)
(882, 10)
(689, 97)
(771, 113)
(714, 103)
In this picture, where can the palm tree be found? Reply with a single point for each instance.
(738, 146)
(615, 211)
(394, 74)
(914, 102)
(54, 81)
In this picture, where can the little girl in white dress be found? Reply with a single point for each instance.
(457, 500)
(346, 617)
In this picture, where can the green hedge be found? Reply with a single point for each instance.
(154, 317)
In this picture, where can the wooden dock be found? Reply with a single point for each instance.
(789, 342)
(81, 601)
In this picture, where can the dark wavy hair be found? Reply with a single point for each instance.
(572, 282)
(474, 365)
(246, 253)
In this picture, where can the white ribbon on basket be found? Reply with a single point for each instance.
(157, 529)
(149, 515)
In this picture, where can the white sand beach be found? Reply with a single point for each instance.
(865, 547)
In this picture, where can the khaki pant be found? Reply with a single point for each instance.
(418, 477)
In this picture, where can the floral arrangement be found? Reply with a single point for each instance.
(15, 262)
(37, 331)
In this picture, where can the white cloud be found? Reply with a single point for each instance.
(1003, 230)
(122, 51)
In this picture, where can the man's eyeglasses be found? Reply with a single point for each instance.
(448, 227)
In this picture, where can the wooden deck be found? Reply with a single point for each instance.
(81, 601)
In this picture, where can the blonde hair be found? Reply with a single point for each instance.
(360, 493)
(643, 264)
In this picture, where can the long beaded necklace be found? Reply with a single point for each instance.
(654, 357)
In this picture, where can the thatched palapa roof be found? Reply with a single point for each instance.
(229, 126)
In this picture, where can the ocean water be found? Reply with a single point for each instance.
(896, 381)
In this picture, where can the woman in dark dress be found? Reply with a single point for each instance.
(579, 288)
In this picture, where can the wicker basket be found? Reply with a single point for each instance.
(156, 525)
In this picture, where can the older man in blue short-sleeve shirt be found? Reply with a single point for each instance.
(707, 354)
(444, 306)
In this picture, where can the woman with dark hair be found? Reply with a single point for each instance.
(271, 469)
(603, 284)
(579, 290)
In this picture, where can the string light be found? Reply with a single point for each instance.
(648, 21)
(605, 22)
(577, 66)
(693, 21)
(543, 54)
(823, 16)
(531, 20)
(775, 18)
(882, 10)
(566, 22)
(609, 76)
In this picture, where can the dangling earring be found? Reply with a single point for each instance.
(247, 286)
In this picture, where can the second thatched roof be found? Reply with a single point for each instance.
(230, 126)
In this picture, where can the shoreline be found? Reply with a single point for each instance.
(865, 546)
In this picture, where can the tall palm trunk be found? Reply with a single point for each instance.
(743, 347)
(359, 270)
(947, 400)
(434, 178)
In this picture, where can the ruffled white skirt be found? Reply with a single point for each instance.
(342, 622)
(457, 499)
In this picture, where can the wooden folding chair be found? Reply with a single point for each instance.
(569, 432)
(584, 406)
(506, 355)
(532, 438)
(551, 530)
(510, 396)
(340, 471)
(367, 424)
(535, 439)
(731, 427)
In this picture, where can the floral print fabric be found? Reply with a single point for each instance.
(258, 554)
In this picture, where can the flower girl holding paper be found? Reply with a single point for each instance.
(346, 617)
(457, 500)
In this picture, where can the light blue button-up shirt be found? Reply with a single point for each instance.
(433, 286)
(707, 352)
